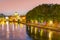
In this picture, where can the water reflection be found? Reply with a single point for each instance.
(7, 23)
(2, 27)
(42, 34)
(13, 27)
(7, 34)
(13, 31)
(50, 35)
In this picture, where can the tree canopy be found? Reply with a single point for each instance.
(45, 12)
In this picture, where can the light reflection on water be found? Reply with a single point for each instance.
(7, 34)
(42, 34)
(50, 35)
(7, 23)
(2, 26)
(13, 27)
(13, 31)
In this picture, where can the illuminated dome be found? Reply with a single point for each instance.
(16, 14)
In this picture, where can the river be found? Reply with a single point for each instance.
(15, 31)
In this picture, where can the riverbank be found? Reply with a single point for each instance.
(42, 26)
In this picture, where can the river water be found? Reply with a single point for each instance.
(15, 31)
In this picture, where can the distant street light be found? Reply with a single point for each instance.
(6, 17)
(50, 22)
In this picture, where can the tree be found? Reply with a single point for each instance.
(44, 12)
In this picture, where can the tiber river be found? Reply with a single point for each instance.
(15, 31)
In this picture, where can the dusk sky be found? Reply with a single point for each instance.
(8, 7)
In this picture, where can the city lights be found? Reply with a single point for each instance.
(50, 23)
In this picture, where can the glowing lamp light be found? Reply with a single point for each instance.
(50, 22)
(6, 17)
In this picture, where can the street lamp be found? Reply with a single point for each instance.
(50, 23)
(6, 18)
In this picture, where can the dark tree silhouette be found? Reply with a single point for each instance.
(44, 12)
